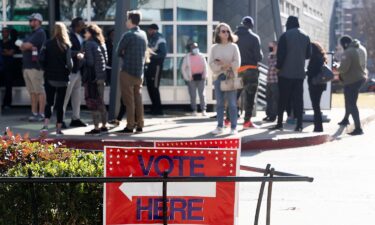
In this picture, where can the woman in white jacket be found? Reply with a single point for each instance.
(224, 60)
(194, 71)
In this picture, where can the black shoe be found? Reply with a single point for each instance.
(318, 130)
(77, 123)
(63, 125)
(104, 130)
(344, 122)
(266, 119)
(298, 129)
(126, 130)
(357, 131)
(272, 119)
(139, 130)
(277, 127)
(93, 132)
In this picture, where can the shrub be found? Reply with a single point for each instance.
(56, 203)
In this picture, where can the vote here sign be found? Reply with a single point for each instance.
(188, 203)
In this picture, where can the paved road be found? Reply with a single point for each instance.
(343, 191)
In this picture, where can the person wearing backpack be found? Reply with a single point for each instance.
(57, 63)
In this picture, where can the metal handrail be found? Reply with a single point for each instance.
(282, 177)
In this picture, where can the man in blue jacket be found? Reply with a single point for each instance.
(154, 70)
(293, 49)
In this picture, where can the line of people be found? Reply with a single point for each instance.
(59, 66)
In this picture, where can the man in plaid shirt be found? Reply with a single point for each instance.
(272, 91)
(132, 50)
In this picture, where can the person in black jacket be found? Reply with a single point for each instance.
(293, 49)
(317, 60)
(158, 45)
(57, 64)
(73, 92)
(95, 60)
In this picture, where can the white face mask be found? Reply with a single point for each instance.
(195, 51)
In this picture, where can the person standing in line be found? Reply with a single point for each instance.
(57, 64)
(8, 49)
(95, 61)
(194, 71)
(353, 74)
(132, 49)
(224, 60)
(158, 46)
(317, 60)
(32, 72)
(293, 49)
(251, 54)
(272, 89)
(73, 91)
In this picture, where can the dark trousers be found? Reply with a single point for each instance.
(122, 111)
(272, 97)
(351, 92)
(250, 87)
(290, 89)
(55, 101)
(153, 76)
(8, 83)
(316, 92)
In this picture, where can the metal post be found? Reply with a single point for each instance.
(51, 16)
(277, 17)
(260, 197)
(121, 8)
(165, 207)
(34, 206)
(254, 13)
(269, 196)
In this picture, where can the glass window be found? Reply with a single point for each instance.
(191, 10)
(191, 33)
(155, 10)
(102, 10)
(19, 10)
(167, 31)
(71, 9)
(167, 74)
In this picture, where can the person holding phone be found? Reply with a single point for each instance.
(224, 61)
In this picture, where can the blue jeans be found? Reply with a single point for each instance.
(231, 97)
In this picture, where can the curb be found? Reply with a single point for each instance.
(246, 145)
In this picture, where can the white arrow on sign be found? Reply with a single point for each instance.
(200, 189)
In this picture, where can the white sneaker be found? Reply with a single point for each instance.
(204, 113)
(218, 130)
(233, 132)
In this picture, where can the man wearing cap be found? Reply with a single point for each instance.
(32, 72)
(154, 69)
(251, 54)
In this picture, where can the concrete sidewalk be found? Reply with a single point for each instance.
(178, 125)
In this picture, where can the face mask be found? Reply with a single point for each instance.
(270, 49)
(195, 51)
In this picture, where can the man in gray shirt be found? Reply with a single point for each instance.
(32, 72)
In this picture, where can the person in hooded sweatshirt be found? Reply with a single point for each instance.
(293, 49)
(353, 74)
(251, 54)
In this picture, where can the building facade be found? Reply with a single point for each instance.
(180, 21)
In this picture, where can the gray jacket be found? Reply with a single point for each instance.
(96, 56)
(293, 49)
(249, 45)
